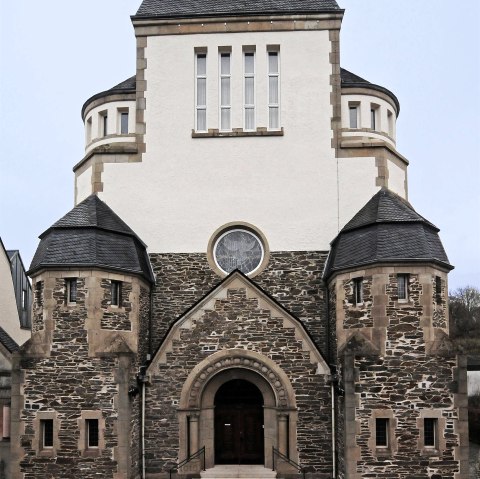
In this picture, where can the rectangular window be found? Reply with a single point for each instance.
(116, 289)
(381, 432)
(225, 91)
(358, 290)
(201, 92)
(390, 123)
(402, 285)
(46, 431)
(92, 433)
(89, 130)
(104, 123)
(124, 123)
(249, 90)
(438, 289)
(430, 432)
(373, 118)
(71, 290)
(353, 111)
(24, 299)
(273, 90)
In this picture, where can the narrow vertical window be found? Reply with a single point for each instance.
(390, 123)
(438, 289)
(92, 433)
(381, 432)
(71, 290)
(225, 91)
(46, 433)
(89, 130)
(124, 122)
(104, 123)
(273, 90)
(201, 92)
(430, 432)
(249, 90)
(402, 286)
(24, 300)
(116, 290)
(358, 290)
(353, 112)
(373, 118)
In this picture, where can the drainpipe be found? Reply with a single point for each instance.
(334, 437)
(141, 378)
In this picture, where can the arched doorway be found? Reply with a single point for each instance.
(239, 428)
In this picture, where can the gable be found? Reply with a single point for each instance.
(238, 314)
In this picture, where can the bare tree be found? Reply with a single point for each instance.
(465, 312)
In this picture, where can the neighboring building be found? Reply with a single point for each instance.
(15, 304)
(291, 307)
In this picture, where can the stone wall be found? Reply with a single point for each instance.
(238, 321)
(401, 367)
(116, 317)
(294, 279)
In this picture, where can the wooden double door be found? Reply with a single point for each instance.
(239, 437)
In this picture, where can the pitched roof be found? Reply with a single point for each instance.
(386, 230)
(92, 235)
(350, 80)
(202, 8)
(7, 341)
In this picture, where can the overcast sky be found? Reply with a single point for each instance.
(55, 54)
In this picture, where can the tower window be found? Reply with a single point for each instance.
(381, 432)
(438, 289)
(353, 112)
(402, 287)
(92, 433)
(390, 122)
(273, 90)
(249, 90)
(89, 130)
(430, 426)
(201, 92)
(116, 290)
(46, 431)
(103, 123)
(71, 290)
(124, 122)
(358, 290)
(225, 92)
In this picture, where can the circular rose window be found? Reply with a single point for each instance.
(238, 249)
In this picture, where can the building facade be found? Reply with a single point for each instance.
(242, 280)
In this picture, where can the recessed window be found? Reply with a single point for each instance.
(402, 287)
(381, 432)
(46, 433)
(374, 116)
(201, 91)
(249, 90)
(273, 90)
(225, 92)
(358, 290)
(71, 284)
(124, 122)
(103, 123)
(89, 130)
(438, 289)
(353, 113)
(430, 426)
(24, 299)
(92, 433)
(116, 291)
(238, 249)
(390, 123)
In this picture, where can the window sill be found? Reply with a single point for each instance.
(236, 132)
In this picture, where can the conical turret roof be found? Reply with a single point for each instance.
(92, 235)
(386, 230)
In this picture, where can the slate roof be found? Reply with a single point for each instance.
(350, 80)
(386, 230)
(92, 235)
(202, 8)
(7, 341)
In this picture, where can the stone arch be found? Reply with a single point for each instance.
(196, 407)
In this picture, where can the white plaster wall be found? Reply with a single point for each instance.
(397, 174)
(9, 319)
(186, 188)
(356, 185)
(112, 109)
(83, 185)
(364, 117)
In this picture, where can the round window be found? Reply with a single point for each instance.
(238, 249)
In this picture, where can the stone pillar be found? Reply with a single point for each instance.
(283, 433)
(193, 423)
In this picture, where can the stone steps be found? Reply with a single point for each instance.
(233, 471)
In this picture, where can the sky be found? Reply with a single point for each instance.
(53, 58)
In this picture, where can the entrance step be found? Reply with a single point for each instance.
(233, 471)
